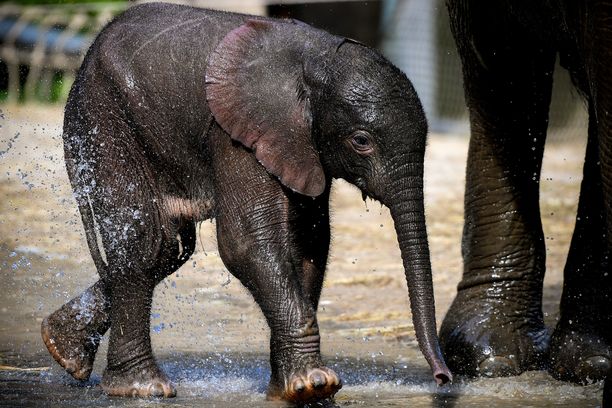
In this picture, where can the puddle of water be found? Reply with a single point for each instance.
(230, 380)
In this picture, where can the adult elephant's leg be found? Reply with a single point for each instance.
(495, 324)
(582, 342)
(256, 236)
(607, 393)
(580, 345)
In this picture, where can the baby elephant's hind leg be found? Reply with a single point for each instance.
(72, 333)
(142, 262)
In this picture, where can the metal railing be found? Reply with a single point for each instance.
(46, 43)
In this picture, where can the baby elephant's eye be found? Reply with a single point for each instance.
(361, 143)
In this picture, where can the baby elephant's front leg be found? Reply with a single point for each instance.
(257, 250)
(298, 373)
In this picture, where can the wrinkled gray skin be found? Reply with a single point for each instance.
(179, 115)
(495, 325)
(607, 393)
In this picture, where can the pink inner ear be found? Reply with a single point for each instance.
(295, 171)
(251, 92)
(223, 99)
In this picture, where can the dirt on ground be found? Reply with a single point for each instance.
(364, 313)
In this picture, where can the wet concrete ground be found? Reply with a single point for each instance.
(208, 333)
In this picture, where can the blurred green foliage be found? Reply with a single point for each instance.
(36, 2)
(54, 86)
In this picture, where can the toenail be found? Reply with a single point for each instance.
(318, 380)
(299, 386)
(156, 390)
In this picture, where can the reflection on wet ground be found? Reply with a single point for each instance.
(240, 379)
(230, 380)
(208, 333)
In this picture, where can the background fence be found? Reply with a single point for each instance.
(42, 46)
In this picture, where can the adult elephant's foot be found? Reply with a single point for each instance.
(578, 354)
(306, 386)
(491, 338)
(147, 381)
(72, 333)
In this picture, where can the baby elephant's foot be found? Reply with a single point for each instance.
(307, 386)
(72, 333)
(148, 382)
(579, 357)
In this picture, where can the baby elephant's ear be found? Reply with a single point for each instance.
(255, 90)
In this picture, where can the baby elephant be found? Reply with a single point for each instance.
(179, 115)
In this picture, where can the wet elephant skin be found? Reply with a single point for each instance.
(495, 325)
(178, 115)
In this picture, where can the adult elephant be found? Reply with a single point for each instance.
(181, 114)
(495, 325)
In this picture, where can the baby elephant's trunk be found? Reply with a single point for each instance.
(407, 210)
